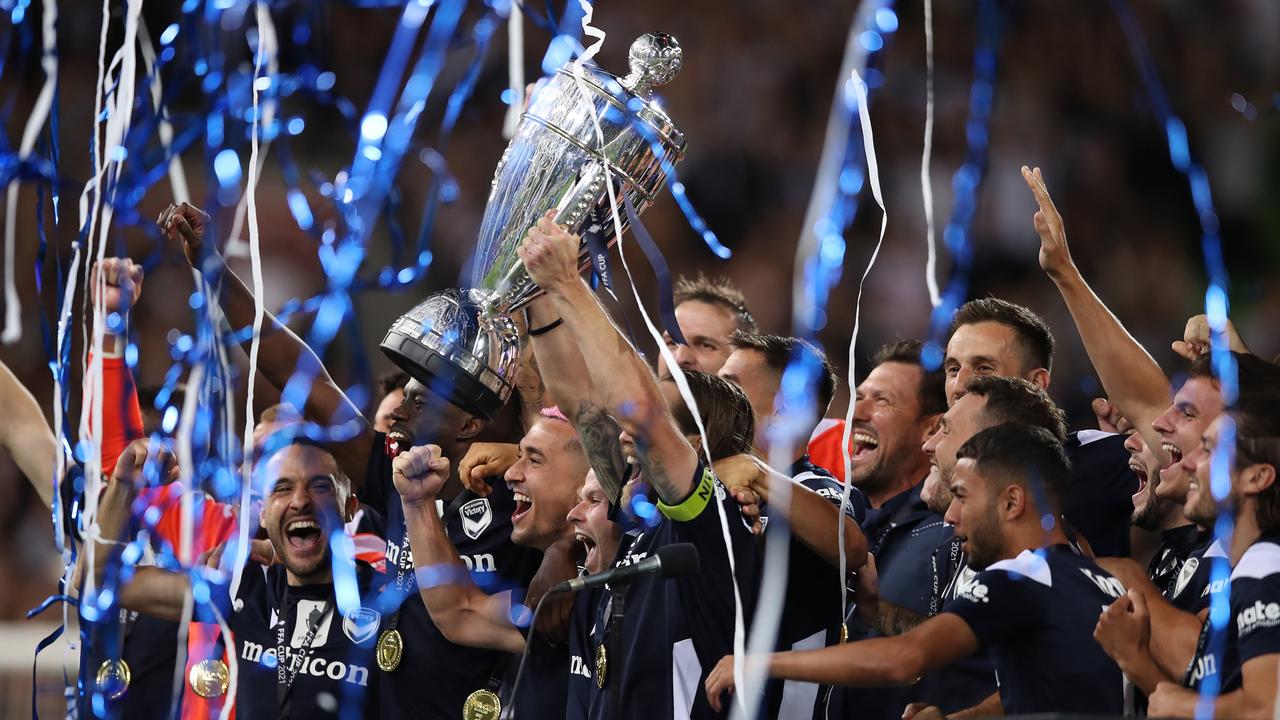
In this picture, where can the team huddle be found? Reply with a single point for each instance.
(954, 550)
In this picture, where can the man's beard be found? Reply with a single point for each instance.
(1153, 513)
(985, 541)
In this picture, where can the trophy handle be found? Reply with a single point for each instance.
(516, 289)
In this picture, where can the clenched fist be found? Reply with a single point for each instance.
(419, 474)
(550, 254)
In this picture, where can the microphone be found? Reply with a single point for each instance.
(671, 561)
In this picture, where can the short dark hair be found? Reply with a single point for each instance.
(933, 383)
(1032, 331)
(719, 291)
(1009, 453)
(389, 382)
(1014, 400)
(778, 351)
(726, 414)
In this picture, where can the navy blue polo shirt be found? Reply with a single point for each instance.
(435, 676)
(1253, 629)
(673, 632)
(1035, 614)
(1099, 502)
(1179, 570)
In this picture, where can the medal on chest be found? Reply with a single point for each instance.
(113, 678)
(390, 649)
(209, 678)
(602, 665)
(482, 705)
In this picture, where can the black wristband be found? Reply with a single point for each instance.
(533, 332)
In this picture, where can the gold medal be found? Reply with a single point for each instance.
(481, 705)
(390, 648)
(602, 665)
(113, 678)
(844, 633)
(209, 678)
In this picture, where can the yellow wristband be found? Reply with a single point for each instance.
(697, 501)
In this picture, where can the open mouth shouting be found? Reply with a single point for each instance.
(1139, 468)
(303, 536)
(1174, 452)
(589, 543)
(398, 440)
(864, 444)
(524, 504)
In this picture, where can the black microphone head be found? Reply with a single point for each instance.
(678, 560)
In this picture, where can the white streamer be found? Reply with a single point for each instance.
(926, 181)
(588, 30)
(515, 70)
(177, 177)
(35, 123)
(873, 173)
(267, 45)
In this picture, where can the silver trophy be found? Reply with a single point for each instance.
(462, 343)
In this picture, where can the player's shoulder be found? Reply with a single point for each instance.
(1260, 561)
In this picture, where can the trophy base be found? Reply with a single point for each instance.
(433, 369)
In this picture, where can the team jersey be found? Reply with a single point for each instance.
(1035, 614)
(299, 655)
(1253, 629)
(672, 632)
(544, 687)
(582, 646)
(1179, 570)
(811, 613)
(1099, 501)
(435, 676)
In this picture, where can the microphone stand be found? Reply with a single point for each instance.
(614, 643)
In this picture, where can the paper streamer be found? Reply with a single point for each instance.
(926, 180)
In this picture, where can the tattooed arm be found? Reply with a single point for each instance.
(564, 380)
(620, 381)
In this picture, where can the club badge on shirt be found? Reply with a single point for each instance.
(476, 517)
(360, 624)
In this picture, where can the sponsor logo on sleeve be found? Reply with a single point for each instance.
(973, 591)
(1257, 616)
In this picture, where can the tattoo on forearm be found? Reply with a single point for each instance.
(894, 620)
(599, 434)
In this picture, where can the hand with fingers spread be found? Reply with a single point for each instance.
(485, 460)
(550, 254)
(1197, 338)
(187, 223)
(121, 280)
(419, 474)
(1055, 255)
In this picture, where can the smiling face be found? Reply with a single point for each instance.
(962, 421)
(592, 527)
(987, 348)
(748, 369)
(1150, 511)
(974, 514)
(423, 417)
(307, 500)
(1195, 405)
(707, 328)
(888, 431)
(1200, 507)
(545, 481)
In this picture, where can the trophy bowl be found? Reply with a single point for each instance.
(576, 135)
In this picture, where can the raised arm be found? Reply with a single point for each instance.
(121, 411)
(462, 611)
(563, 373)
(1134, 382)
(897, 660)
(619, 378)
(25, 434)
(150, 590)
(280, 352)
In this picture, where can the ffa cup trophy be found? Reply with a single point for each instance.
(462, 343)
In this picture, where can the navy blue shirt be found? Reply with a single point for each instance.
(1253, 629)
(1099, 502)
(673, 632)
(1179, 570)
(435, 676)
(1035, 614)
(332, 650)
